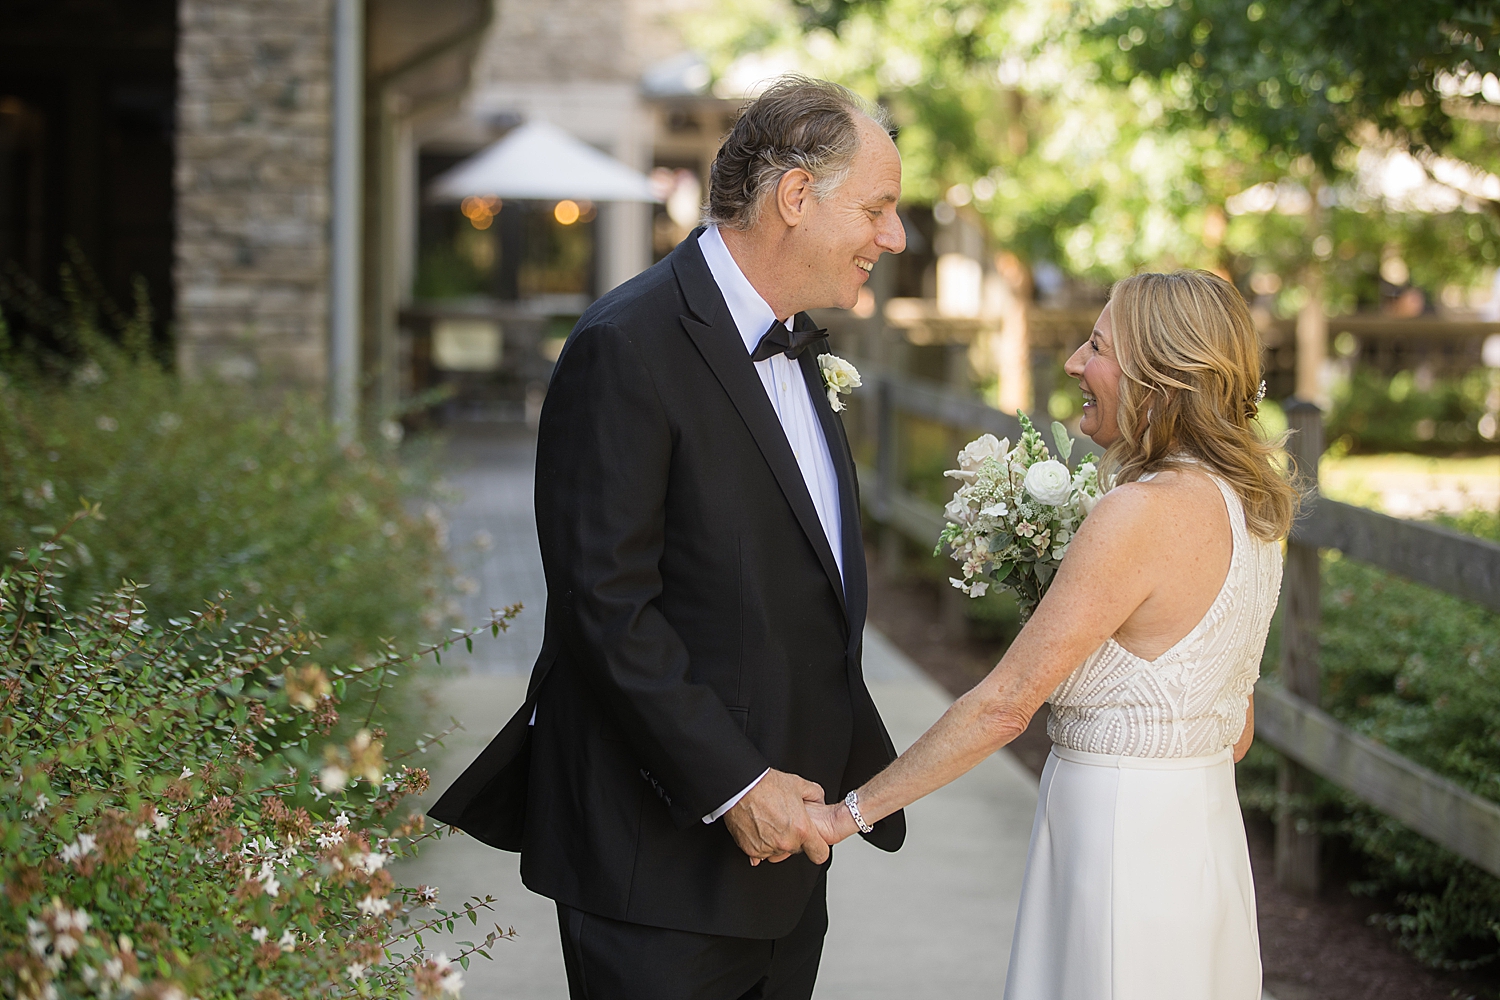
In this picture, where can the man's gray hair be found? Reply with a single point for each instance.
(796, 122)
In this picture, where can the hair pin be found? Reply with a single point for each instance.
(1260, 393)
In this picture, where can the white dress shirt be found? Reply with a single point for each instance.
(790, 398)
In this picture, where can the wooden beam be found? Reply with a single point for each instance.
(951, 409)
(1430, 804)
(1298, 846)
(1376, 328)
(920, 520)
(1445, 560)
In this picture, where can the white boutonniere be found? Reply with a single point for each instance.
(839, 376)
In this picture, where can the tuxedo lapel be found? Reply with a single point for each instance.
(855, 584)
(719, 342)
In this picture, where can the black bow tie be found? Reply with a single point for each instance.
(779, 340)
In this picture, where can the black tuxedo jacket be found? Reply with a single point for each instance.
(697, 628)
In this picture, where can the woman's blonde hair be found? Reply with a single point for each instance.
(1190, 358)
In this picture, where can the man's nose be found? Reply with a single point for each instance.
(892, 235)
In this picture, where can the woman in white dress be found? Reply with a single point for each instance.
(1147, 647)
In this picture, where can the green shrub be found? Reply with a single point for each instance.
(174, 821)
(208, 487)
(1373, 413)
(1416, 670)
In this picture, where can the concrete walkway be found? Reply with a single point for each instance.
(933, 920)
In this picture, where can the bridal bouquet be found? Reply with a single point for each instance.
(1011, 521)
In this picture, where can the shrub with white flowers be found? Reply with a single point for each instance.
(171, 823)
(1010, 522)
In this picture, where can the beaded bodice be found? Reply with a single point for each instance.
(1191, 700)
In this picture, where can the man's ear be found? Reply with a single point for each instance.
(793, 192)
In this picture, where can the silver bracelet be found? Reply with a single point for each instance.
(852, 801)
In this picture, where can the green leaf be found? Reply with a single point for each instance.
(1062, 439)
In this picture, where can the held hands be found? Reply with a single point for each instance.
(833, 823)
(775, 819)
(785, 815)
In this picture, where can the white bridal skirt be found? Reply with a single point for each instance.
(1137, 884)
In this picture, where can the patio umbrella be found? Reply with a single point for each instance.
(539, 160)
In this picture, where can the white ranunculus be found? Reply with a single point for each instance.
(1049, 482)
(838, 372)
(983, 447)
(839, 376)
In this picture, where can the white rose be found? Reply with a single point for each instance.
(1049, 482)
(983, 447)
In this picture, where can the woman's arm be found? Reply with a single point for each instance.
(1242, 745)
(1101, 582)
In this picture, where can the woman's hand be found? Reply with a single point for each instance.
(833, 823)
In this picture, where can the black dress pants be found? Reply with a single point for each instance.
(614, 960)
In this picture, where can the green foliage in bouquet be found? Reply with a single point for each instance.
(175, 822)
(1010, 523)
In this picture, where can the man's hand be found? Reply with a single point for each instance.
(771, 822)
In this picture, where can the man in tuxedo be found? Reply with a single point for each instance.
(700, 677)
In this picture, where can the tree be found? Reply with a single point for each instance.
(1083, 133)
(1002, 109)
(1314, 77)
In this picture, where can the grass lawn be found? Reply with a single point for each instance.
(1413, 485)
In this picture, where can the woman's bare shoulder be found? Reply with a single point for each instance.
(1125, 505)
(1123, 518)
(1142, 511)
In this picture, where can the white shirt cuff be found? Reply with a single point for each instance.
(734, 801)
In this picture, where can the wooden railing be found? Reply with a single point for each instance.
(1287, 715)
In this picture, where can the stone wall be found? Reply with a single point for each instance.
(252, 183)
(564, 41)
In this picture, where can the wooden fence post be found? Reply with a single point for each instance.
(886, 476)
(1297, 845)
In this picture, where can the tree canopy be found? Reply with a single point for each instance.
(1104, 137)
(1316, 77)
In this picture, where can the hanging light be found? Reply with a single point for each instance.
(480, 210)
